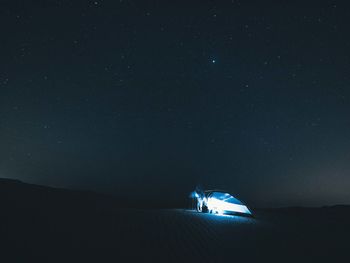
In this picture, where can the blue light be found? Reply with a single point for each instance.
(194, 194)
(219, 203)
(221, 207)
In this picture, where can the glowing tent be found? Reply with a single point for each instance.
(218, 202)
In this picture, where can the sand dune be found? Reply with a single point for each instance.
(40, 224)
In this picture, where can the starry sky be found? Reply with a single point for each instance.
(151, 98)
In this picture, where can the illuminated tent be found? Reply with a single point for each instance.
(219, 202)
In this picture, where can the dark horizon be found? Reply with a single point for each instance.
(150, 99)
(21, 189)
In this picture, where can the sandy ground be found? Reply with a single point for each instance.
(39, 225)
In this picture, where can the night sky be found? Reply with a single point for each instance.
(151, 98)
